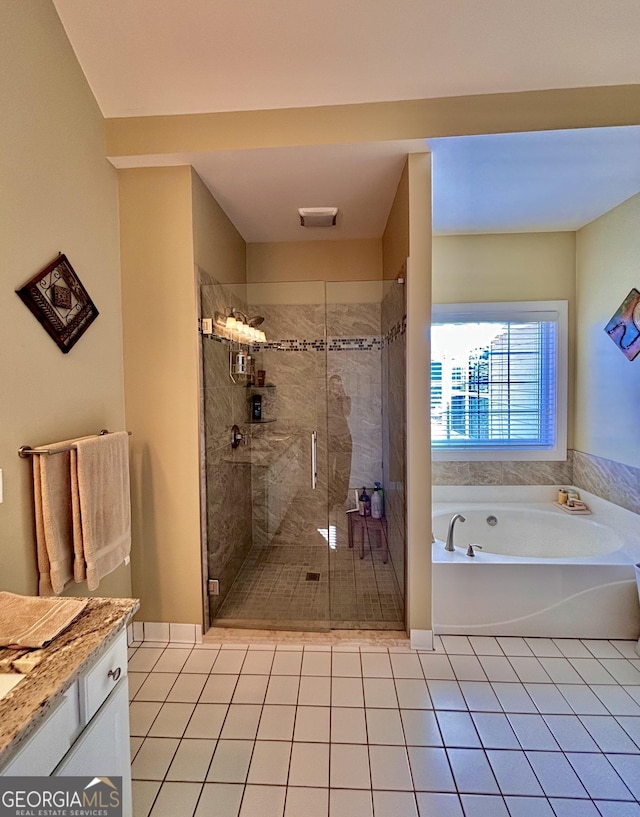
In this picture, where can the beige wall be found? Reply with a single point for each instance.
(607, 384)
(58, 194)
(510, 267)
(395, 240)
(315, 261)
(161, 390)
(218, 246)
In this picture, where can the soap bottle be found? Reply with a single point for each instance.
(377, 501)
(364, 503)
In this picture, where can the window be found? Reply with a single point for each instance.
(499, 381)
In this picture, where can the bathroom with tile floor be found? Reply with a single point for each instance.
(479, 727)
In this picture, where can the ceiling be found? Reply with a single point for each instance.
(144, 57)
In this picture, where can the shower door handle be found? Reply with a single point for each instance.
(314, 459)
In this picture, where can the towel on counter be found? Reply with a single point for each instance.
(53, 516)
(101, 503)
(33, 622)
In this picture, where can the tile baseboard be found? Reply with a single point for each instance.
(162, 631)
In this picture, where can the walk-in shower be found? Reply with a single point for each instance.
(329, 384)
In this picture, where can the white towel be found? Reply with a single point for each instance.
(53, 516)
(101, 506)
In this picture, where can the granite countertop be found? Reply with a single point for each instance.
(68, 655)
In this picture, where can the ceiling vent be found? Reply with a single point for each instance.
(318, 216)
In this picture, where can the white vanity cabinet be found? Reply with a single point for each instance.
(87, 733)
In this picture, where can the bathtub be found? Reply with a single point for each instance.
(540, 572)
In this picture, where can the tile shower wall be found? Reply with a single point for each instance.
(503, 473)
(226, 472)
(393, 317)
(608, 479)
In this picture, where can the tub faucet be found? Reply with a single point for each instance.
(452, 524)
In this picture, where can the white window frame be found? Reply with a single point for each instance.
(513, 311)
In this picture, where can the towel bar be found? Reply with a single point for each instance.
(26, 451)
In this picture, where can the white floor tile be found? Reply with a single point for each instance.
(482, 805)
(379, 693)
(420, 727)
(218, 689)
(144, 659)
(480, 696)
(283, 690)
(347, 692)
(555, 775)
(626, 648)
(172, 720)
(172, 660)
(495, 730)
(187, 688)
(348, 725)
(376, 665)
(345, 803)
(564, 807)
(191, 761)
(141, 715)
(206, 721)
(572, 648)
(263, 801)
(498, 668)
(598, 776)
(472, 772)
(270, 762)
(250, 689)
(560, 670)
(229, 662)
(600, 648)
(144, 793)
(287, 663)
(457, 644)
(570, 733)
(468, 667)
(406, 666)
(458, 729)
(134, 745)
(316, 663)
(437, 667)
(622, 670)
(384, 727)
(346, 665)
(633, 691)
(446, 695)
(435, 804)
(312, 724)
(608, 734)
(532, 732)
(582, 700)
(276, 722)
(390, 768)
(315, 690)
(200, 661)
(628, 767)
(393, 803)
(514, 697)
(136, 680)
(543, 647)
(513, 645)
(529, 669)
(631, 726)
(592, 671)
(614, 808)
(156, 687)
(513, 773)
(309, 765)
(548, 699)
(230, 762)
(529, 807)
(241, 722)
(617, 701)
(485, 645)
(154, 758)
(430, 769)
(176, 798)
(305, 802)
(413, 694)
(220, 798)
(258, 662)
(349, 766)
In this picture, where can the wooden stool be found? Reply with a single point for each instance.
(368, 523)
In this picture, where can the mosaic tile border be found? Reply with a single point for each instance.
(397, 330)
(361, 344)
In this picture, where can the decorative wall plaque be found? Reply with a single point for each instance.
(60, 302)
(624, 326)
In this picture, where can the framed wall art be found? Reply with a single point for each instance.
(60, 303)
(624, 326)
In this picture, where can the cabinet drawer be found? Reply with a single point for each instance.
(101, 679)
(43, 751)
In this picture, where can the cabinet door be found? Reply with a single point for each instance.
(102, 750)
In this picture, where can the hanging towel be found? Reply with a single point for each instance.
(32, 622)
(53, 516)
(101, 506)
